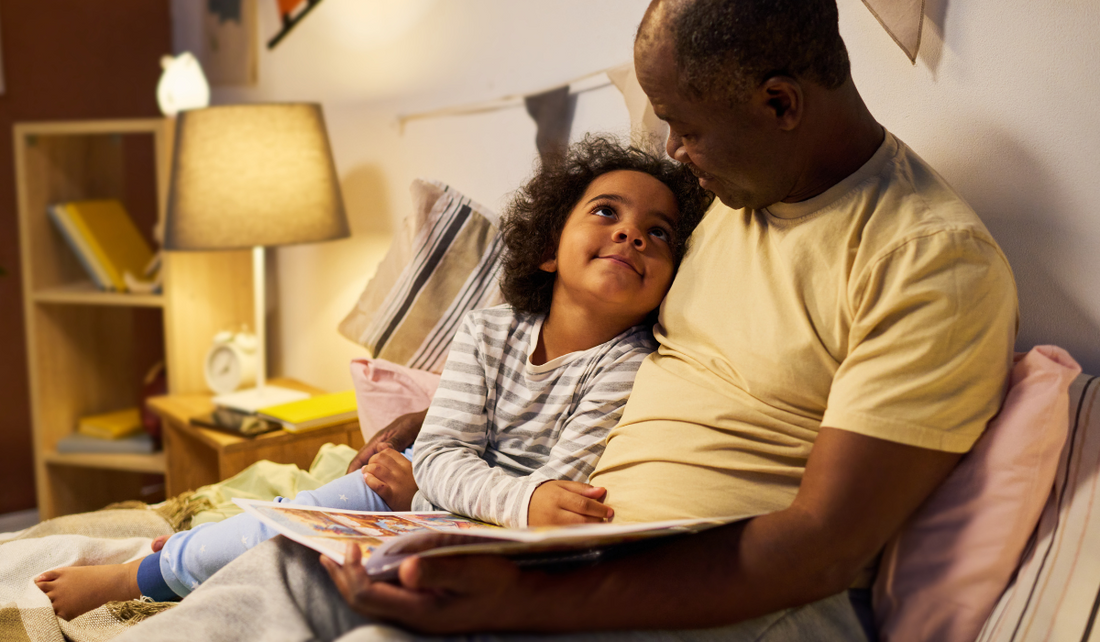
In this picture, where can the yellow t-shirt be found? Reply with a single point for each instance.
(882, 306)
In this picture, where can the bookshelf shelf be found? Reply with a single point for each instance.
(154, 463)
(86, 293)
(88, 350)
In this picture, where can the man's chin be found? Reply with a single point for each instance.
(714, 187)
(729, 200)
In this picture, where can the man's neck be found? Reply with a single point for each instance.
(842, 135)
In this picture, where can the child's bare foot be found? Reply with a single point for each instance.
(75, 590)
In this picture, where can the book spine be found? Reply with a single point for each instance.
(80, 249)
(97, 249)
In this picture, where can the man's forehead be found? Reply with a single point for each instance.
(654, 28)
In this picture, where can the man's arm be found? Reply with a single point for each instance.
(856, 492)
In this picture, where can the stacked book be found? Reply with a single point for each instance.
(107, 243)
(121, 431)
(297, 415)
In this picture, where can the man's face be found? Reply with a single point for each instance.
(731, 149)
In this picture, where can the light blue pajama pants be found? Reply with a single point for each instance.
(190, 557)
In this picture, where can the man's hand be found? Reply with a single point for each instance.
(437, 595)
(399, 435)
(556, 503)
(391, 476)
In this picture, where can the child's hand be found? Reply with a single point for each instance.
(390, 475)
(399, 435)
(555, 503)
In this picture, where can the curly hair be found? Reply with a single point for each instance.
(532, 223)
(725, 48)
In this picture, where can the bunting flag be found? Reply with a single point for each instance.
(903, 20)
(552, 109)
(553, 114)
(645, 127)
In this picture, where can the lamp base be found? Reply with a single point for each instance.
(250, 400)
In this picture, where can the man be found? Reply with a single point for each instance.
(839, 334)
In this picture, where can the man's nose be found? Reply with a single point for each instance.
(674, 146)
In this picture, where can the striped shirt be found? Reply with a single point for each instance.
(499, 426)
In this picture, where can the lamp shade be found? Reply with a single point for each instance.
(252, 175)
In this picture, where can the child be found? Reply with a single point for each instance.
(530, 389)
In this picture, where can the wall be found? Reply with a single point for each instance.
(1002, 100)
(66, 60)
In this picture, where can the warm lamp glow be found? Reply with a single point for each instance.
(249, 176)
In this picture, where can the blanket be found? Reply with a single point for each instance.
(115, 536)
(103, 537)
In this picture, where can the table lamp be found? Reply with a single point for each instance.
(252, 176)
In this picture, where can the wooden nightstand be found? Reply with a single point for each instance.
(198, 456)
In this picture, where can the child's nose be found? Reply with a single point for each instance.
(632, 235)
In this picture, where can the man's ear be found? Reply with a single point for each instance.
(549, 265)
(782, 98)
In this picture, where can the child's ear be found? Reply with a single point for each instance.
(549, 265)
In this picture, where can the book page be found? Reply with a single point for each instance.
(328, 530)
(385, 539)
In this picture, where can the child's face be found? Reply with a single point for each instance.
(614, 255)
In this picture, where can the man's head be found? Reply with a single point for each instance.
(733, 79)
(725, 48)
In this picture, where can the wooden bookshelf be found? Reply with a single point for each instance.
(83, 343)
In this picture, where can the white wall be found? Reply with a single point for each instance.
(1003, 101)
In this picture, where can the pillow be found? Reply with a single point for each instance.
(443, 263)
(941, 576)
(1054, 595)
(384, 391)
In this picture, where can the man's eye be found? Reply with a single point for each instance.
(604, 211)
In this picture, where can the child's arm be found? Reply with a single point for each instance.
(450, 461)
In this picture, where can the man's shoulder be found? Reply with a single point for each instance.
(927, 200)
(912, 202)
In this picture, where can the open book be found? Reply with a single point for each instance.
(385, 539)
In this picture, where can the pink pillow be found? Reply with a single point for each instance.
(384, 391)
(941, 576)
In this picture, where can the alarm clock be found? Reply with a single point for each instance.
(231, 362)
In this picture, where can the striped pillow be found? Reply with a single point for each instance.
(443, 264)
(1056, 593)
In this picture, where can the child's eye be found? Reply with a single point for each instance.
(661, 234)
(604, 211)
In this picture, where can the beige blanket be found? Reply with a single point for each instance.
(117, 536)
(103, 537)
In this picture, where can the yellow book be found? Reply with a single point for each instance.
(316, 412)
(111, 425)
(113, 238)
(60, 215)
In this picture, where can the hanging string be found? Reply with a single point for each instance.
(504, 102)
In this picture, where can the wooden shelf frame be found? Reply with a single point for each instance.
(81, 355)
